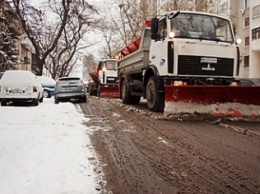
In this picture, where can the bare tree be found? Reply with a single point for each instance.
(36, 25)
(197, 5)
(201, 5)
(89, 63)
(123, 26)
(64, 57)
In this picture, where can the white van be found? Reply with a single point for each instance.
(20, 85)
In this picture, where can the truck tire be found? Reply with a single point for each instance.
(155, 100)
(92, 89)
(98, 90)
(126, 96)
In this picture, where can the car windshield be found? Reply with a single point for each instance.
(71, 80)
(203, 27)
(111, 65)
(21, 77)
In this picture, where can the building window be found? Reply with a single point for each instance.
(246, 61)
(247, 3)
(247, 22)
(247, 41)
(224, 8)
(256, 11)
(256, 33)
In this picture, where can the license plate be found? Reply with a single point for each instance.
(69, 89)
(16, 90)
(208, 60)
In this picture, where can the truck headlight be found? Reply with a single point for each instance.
(171, 35)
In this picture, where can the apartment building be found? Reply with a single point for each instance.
(254, 28)
(245, 16)
(22, 47)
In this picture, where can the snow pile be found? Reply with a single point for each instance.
(45, 149)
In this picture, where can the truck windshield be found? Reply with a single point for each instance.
(111, 65)
(203, 27)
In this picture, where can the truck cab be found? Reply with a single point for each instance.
(194, 45)
(108, 72)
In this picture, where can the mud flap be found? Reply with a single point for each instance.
(214, 100)
(109, 91)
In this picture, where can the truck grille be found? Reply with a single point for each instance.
(193, 65)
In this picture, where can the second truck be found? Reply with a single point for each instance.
(186, 62)
(105, 80)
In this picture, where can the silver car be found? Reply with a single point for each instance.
(69, 88)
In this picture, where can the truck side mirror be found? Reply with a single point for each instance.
(154, 28)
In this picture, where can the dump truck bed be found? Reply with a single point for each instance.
(135, 56)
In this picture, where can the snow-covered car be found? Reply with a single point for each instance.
(68, 88)
(20, 85)
(48, 85)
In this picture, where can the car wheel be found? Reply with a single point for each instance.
(41, 99)
(84, 99)
(46, 94)
(3, 103)
(36, 102)
(56, 101)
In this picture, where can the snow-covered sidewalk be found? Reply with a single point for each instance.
(45, 149)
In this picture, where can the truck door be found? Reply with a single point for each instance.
(101, 72)
(158, 49)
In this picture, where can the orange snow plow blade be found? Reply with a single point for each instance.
(111, 91)
(215, 100)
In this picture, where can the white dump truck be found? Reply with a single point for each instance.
(105, 79)
(185, 62)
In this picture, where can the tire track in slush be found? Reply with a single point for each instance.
(145, 158)
(228, 166)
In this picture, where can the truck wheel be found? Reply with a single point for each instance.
(155, 100)
(98, 90)
(125, 95)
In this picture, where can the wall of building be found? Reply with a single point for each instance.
(255, 39)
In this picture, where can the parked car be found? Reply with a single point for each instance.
(20, 85)
(249, 81)
(68, 88)
(48, 85)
